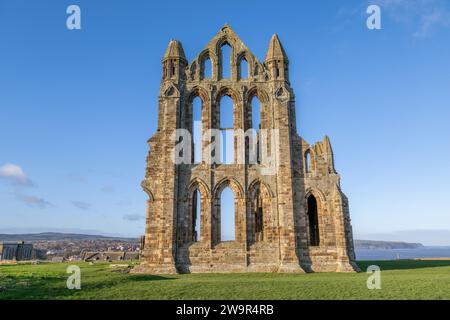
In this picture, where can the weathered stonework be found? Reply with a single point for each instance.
(295, 220)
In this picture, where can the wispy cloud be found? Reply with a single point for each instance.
(133, 217)
(73, 177)
(124, 203)
(107, 189)
(14, 174)
(34, 202)
(81, 205)
(425, 16)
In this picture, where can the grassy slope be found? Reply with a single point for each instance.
(400, 280)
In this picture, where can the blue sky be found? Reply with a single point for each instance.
(77, 107)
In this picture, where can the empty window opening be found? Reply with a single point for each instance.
(244, 69)
(196, 210)
(173, 69)
(308, 161)
(256, 125)
(256, 113)
(227, 132)
(227, 221)
(313, 218)
(207, 68)
(226, 61)
(258, 218)
(197, 129)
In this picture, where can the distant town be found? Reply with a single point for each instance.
(59, 247)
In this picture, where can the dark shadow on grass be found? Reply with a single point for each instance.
(148, 277)
(403, 264)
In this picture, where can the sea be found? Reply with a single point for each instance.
(396, 254)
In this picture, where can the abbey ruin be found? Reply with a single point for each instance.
(293, 218)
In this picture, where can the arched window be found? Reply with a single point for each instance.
(196, 215)
(313, 218)
(227, 223)
(308, 161)
(206, 68)
(226, 61)
(256, 125)
(173, 73)
(197, 129)
(227, 130)
(258, 217)
(256, 113)
(243, 71)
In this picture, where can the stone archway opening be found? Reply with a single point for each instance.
(313, 219)
(227, 215)
(196, 215)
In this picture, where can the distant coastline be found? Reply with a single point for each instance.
(59, 236)
(386, 245)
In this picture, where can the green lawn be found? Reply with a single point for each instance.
(404, 279)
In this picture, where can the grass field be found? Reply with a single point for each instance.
(403, 279)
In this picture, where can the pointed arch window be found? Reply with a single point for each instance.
(308, 161)
(258, 217)
(197, 129)
(226, 61)
(313, 219)
(243, 68)
(206, 67)
(256, 125)
(196, 215)
(226, 129)
(173, 69)
(227, 215)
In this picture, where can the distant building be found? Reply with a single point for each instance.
(131, 255)
(58, 259)
(20, 251)
(39, 254)
(110, 256)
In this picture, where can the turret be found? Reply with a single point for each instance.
(174, 61)
(276, 60)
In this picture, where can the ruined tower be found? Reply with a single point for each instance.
(290, 214)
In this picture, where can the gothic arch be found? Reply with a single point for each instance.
(149, 214)
(318, 194)
(312, 160)
(257, 183)
(239, 210)
(216, 112)
(200, 92)
(191, 70)
(316, 233)
(282, 94)
(172, 91)
(244, 56)
(225, 40)
(199, 184)
(194, 221)
(259, 214)
(227, 91)
(151, 198)
(229, 182)
(261, 94)
(202, 57)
